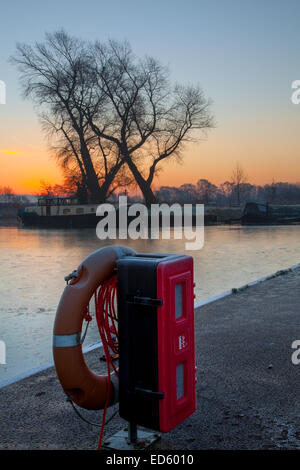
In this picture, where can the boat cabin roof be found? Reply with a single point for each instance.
(57, 201)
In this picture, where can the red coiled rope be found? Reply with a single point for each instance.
(107, 321)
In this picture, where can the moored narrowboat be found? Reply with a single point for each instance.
(257, 213)
(59, 212)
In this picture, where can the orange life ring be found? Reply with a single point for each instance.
(86, 388)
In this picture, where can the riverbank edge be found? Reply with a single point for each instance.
(197, 305)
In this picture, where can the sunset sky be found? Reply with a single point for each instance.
(244, 55)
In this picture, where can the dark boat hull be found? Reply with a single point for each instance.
(59, 221)
(269, 221)
(265, 214)
(31, 219)
(256, 220)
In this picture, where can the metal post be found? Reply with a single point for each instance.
(132, 432)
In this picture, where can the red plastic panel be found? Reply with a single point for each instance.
(176, 345)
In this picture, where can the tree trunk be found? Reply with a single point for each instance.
(96, 192)
(143, 184)
(104, 188)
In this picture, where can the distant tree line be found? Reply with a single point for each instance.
(230, 193)
(227, 194)
(7, 196)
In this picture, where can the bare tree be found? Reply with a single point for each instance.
(142, 114)
(188, 193)
(6, 194)
(273, 190)
(238, 179)
(106, 108)
(54, 190)
(57, 75)
(227, 189)
(206, 191)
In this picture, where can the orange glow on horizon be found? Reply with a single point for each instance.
(23, 169)
(8, 152)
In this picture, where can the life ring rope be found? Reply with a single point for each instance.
(89, 390)
(107, 321)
